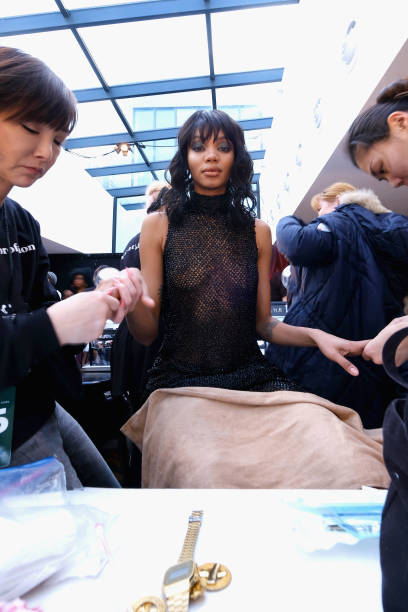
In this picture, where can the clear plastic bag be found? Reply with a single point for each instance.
(323, 525)
(43, 536)
(39, 483)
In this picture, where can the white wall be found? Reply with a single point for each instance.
(322, 93)
(72, 208)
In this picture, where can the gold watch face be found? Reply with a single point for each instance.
(181, 571)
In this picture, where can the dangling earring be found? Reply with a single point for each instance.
(188, 182)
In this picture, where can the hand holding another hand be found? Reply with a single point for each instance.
(335, 349)
(129, 287)
(82, 317)
(374, 348)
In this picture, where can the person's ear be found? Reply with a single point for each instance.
(398, 121)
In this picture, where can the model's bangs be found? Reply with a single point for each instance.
(209, 126)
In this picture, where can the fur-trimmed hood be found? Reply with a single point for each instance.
(365, 198)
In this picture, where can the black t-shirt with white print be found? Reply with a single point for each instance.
(30, 356)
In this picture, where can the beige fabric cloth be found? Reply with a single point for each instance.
(202, 437)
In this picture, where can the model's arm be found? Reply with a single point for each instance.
(274, 331)
(305, 245)
(143, 321)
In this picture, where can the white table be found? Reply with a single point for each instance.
(245, 530)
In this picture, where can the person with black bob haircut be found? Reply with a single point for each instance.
(37, 112)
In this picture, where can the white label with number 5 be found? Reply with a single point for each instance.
(4, 422)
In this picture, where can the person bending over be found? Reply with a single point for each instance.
(37, 112)
(378, 145)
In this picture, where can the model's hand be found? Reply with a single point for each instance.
(374, 348)
(335, 349)
(129, 287)
(82, 317)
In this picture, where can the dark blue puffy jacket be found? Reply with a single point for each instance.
(353, 276)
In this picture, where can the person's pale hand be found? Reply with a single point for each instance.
(129, 288)
(335, 349)
(374, 348)
(82, 317)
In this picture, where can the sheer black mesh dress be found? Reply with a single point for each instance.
(209, 305)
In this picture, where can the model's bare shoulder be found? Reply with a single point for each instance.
(262, 228)
(154, 221)
(263, 233)
(154, 228)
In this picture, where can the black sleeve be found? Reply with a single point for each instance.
(26, 339)
(43, 293)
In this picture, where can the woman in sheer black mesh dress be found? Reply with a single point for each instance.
(205, 260)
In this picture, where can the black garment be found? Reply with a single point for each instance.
(131, 256)
(394, 524)
(209, 304)
(30, 356)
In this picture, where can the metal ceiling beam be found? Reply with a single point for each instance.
(122, 13)
(210, 57)
(126, 192)
(150, 135)
(158, 165)
(154, 88)
(134, 206)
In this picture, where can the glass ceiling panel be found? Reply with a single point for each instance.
(134, 179)
(254, 139)
(258, 165)
(160, 150)
(60, 51)
(97, 118)
(11, 8)
(252, 39)
(141, 114)
(129, 222)
(253, 101)
(149, 50)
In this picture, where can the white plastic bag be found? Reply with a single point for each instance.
(43, 536)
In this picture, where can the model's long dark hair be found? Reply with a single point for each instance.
(30, 91)
(371, 125)
(208, 123)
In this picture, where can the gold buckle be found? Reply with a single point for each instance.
(150, 603)
(198, 584)
(218, 576)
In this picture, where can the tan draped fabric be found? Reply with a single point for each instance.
(202, 437)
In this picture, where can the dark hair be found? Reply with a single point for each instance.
(209, 123)
(157, 203)
(371, 125)
(32, 92)
(84, 272)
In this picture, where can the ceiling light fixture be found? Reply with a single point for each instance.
(124, 148)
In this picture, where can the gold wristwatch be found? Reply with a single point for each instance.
(183, 582)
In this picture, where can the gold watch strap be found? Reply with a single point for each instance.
(194, 524)
(178, 602)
